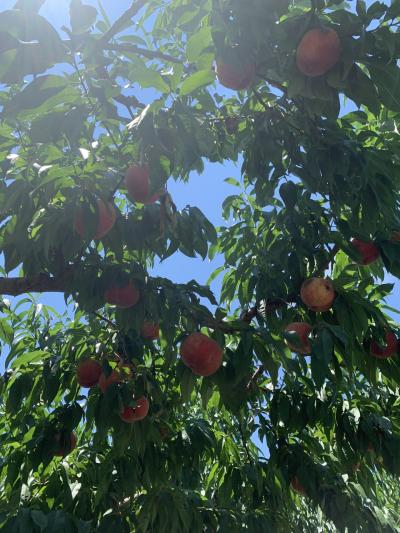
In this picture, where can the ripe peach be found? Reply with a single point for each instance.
(318, 294)
(107, 381)
(134, 414)
(302, 330)
(150, 331)
(368, 251)
(298, 487)
(122, 297)
(65, 444)
(137, 181)
(88, 373)
(384, 352)
(235, 77)
(106, 217)
(318, 52)
(202, 354)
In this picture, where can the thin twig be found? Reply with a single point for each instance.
(120, 23)
(150, 54)
(255, 376)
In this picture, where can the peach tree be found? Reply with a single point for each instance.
(153, 405)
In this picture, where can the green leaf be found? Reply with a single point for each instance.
(39, 518)
(387, 79)
(29, 357)
(197, 43)
(197, 80)
(37, 46)
(321, 356)
(6, 331)
(34, 94)
(52, 126)
(147, 77)
(82, 16)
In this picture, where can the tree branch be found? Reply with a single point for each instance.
(120, 23)
(46, 283)
(255, 376)
(150, 54)
(39, 283)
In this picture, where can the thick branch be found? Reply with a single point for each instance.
(120, 23)
(39, 283)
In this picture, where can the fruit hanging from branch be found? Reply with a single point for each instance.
(122, 372)
(122, 297)
(302, 331)
(388, 350)
(298, 487)
(318, 52)
(234, 76)
(150, 331)
(137, 181)
(368, 251)
(201, 354)
(135, 414)
(318, 294)
(64, 443)
(88, 373)
(106, 217)
(106, 381)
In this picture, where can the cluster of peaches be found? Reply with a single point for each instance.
(137, 181)
(200, 353)
(318, 295)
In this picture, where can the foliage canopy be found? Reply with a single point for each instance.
(320, 167)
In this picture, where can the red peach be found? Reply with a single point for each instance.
(368, 251)
(302, 330)
(122, 297)
(88, 373)
(134, 414)
(318, 294)
(318, 52)
(202, 354)
(106, 217)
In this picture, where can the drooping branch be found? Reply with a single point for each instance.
(120, 23)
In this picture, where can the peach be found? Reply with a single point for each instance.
(202, 354)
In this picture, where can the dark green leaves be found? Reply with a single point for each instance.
(321, 357)
(217, 453)
(387, 78)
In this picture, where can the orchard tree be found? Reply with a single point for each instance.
(156, 406)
